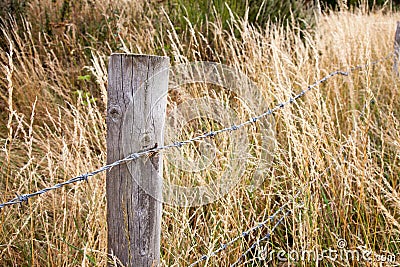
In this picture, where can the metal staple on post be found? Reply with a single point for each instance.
(133, 214)
(137, 155)
(178, 144)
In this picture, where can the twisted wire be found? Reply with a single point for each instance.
(84, 177)
(243, 234)
(265, 238)
(268, 235)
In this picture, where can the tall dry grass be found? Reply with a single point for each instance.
(340, 142)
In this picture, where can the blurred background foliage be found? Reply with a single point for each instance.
(53, 88)
(103, 28)
(89, 27)
(181, 13)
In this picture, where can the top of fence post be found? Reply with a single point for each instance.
(137, 88)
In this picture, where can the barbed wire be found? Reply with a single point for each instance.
(84, 177)
(258, 226)
(244, 234)
(265, 238)
(262, 224)
(269, 234)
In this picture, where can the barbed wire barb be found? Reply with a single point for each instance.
(266, 237)
(177, 144)
(243, 234)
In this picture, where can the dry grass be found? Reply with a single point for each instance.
(53, 127)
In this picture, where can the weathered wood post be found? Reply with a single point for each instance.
(135, 121)
(396, 50)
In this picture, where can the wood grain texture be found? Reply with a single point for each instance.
(135, 121)
(396, 50)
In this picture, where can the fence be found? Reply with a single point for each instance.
(134, 218)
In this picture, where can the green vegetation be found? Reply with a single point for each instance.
(53, 96)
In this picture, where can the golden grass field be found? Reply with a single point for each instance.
(340, 143)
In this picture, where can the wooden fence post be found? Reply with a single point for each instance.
(396, 50)
(133, 216)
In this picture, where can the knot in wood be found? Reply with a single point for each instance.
(115, 112)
